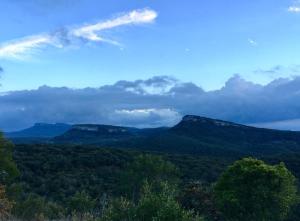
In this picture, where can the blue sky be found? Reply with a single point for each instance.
(148, 63)
(205, 42)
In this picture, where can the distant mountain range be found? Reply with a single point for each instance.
(193, 135)
(40, 130)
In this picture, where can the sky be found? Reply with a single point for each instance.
(92, 50)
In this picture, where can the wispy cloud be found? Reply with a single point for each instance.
(91, 31)
(1, 71)
(27, 46)
(279, 70)
(22, 48)
(252, 42)
(294, 9)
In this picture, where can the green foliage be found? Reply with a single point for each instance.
(162, 206)
(152, 206)
(5, 204)
(157, 179)
(252, 190)
(8, 168)
(81, 203)
(198, 197)
(119, 209)
(151, 168)
(57, 172)
(37, 208)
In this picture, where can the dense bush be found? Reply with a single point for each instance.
(81, 203)
(199, 197)
(5, 204)
(57, 172)
(35, 208)
(153, 205)
(8, 168)
(150, 168)
(252, 190)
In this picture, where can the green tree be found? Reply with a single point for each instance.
(251, 190)
(151, 168)
(119, 209)
(81, 203)
(8, 171)
(8, 168)
(199, 197)
(34, 208)
(152, 206)
(162, 206)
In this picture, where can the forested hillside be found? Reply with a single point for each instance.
(94, 170)
(58, 172)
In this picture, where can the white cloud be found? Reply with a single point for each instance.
(149, 117)
(252, 42)
(21, 48)
(24, 47)
(146, 112)
(134, 17)
(294, 9)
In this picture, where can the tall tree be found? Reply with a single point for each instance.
(81, 203)
(252, 190)
(8, 171)
(8, 168)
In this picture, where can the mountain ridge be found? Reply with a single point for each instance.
(193, 134)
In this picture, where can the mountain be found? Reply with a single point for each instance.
(237, 136)
(103, 134)
(40, 130)
(193, 135)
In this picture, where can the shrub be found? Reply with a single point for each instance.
(5, 204)
(252, 190)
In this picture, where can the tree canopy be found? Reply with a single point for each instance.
(151, 168)
(153, 205)
(8, 168)
(252, 190)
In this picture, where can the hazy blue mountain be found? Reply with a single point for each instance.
(40, 130)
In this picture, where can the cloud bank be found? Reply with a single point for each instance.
(27, 46)
(158, 101)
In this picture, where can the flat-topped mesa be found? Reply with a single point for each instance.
(198, 119)
(93, 133)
